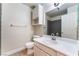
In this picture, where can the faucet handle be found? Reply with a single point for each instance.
(57, 34)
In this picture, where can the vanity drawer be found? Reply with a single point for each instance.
(38, 52)
(46, 49)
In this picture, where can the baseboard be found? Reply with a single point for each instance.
(12, 51)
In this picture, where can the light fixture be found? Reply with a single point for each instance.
(56, 4)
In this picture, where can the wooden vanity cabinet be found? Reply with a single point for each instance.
(39, 52)
(42, 50)
(60, 54)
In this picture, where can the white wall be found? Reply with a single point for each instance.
(55, 18)
(47, 17)
(69, 23)
(49, 7)
(15, 37)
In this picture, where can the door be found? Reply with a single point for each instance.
(39, 52)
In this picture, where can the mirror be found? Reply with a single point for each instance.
(63, 20)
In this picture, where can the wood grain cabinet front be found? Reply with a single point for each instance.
(38, 52)
(42, 50)
(47, 50)
(60, 54)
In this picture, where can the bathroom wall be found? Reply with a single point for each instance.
(55, 18)
(0, 28)
(48, 17)
(78, 22)
(69, 23)
(15, 37)
(38, 30)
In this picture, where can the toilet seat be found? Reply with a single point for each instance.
(29, 45)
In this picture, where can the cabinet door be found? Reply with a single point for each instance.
(35, 12)
(40, 14)
(60, 54)
(69, 25)
(49, 51)
(38, 52)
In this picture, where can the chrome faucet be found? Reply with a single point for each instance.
(53, 36)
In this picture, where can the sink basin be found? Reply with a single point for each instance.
(49, 40)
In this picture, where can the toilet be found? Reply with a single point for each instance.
(29, 47)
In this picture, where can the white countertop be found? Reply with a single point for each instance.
(67, 46)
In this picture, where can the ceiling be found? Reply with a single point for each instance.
(62, 10)
(31, 4)
(51, 10)
(56, 13)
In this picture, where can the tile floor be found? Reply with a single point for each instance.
(23, 53)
